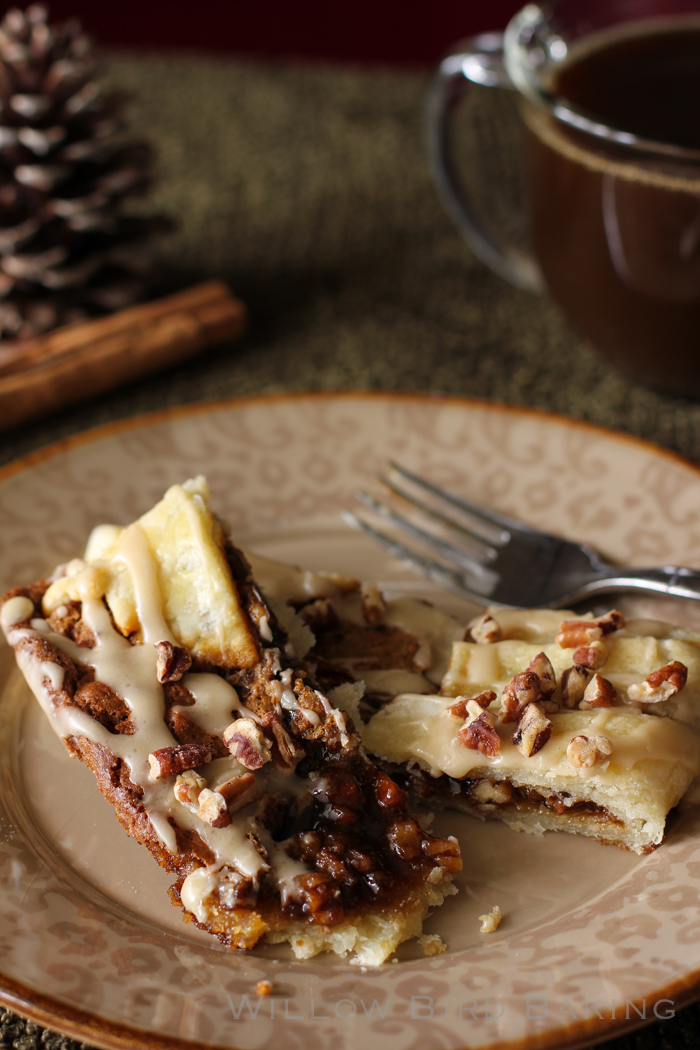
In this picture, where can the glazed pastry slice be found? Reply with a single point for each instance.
(587, 726)
(163, 667)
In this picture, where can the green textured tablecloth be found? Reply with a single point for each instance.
(307, 189)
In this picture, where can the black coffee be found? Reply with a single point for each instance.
(618, 235)
(648, 84)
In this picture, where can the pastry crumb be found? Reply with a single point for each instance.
(263, 987)
(490, 921)
(432, 944)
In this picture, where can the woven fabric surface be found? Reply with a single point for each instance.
(307, 189)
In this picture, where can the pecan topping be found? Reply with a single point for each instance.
(533, 732)
(459, 710)
(388, 793)
(661, 684)
(573, 685)
(584, 752)
(319, 894)
(592, 656)
(173, 661)
(405, 838)
(484, 630)
(576, 633)
(480, 735)
(169, 761)
(287, 752)
(319, 615)
(238, 791)
(247, 743)
(373, 607)
(523, 689)
(188, 788)
(444, 852)
(213, 809)
(541, 665)
(612, 621)
(598, 693)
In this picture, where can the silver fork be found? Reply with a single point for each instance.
(500, 560)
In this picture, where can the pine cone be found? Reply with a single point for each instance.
(67, 250)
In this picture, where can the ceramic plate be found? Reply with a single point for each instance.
(593, 939)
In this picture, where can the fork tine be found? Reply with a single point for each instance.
(477, 533)
(490, 517)
(451, 579)
(469, 562)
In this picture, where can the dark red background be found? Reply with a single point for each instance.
(415, 32)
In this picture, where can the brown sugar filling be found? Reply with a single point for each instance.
(524, 799)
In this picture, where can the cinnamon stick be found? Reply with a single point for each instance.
(83, 360)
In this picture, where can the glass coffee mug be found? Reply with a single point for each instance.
(608, 94)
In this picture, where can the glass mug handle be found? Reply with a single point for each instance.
(478, 60)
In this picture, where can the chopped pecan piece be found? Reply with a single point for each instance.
(287, 753)
(660, 685)
(584, 752)
(573, 685)
(318, 893)
(444, 852)
(373, 606)
(459, 710)
(246, 741)
(480, 735)
(188, 788)
(612, 621)
(319, 615)
(235, 890)
(491, 792)
(592, 656)
(172, 662)
(484, 630)
(388, 793)
(213, 809)
(238, 791)
(541, 665)
(576, 633)
(598, 693)
(169, 761)
(405, 838)
(533, 732)
(523, 689)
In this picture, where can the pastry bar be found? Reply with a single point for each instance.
(581, 725)
(164, 668)
(534, 717)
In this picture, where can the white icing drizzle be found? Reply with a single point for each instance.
(264, 629)
(288, 699)
(15, 610)
(215, 701)
(337, 717)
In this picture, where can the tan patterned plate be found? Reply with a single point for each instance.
(593, 939)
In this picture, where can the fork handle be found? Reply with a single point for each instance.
(671, 580)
